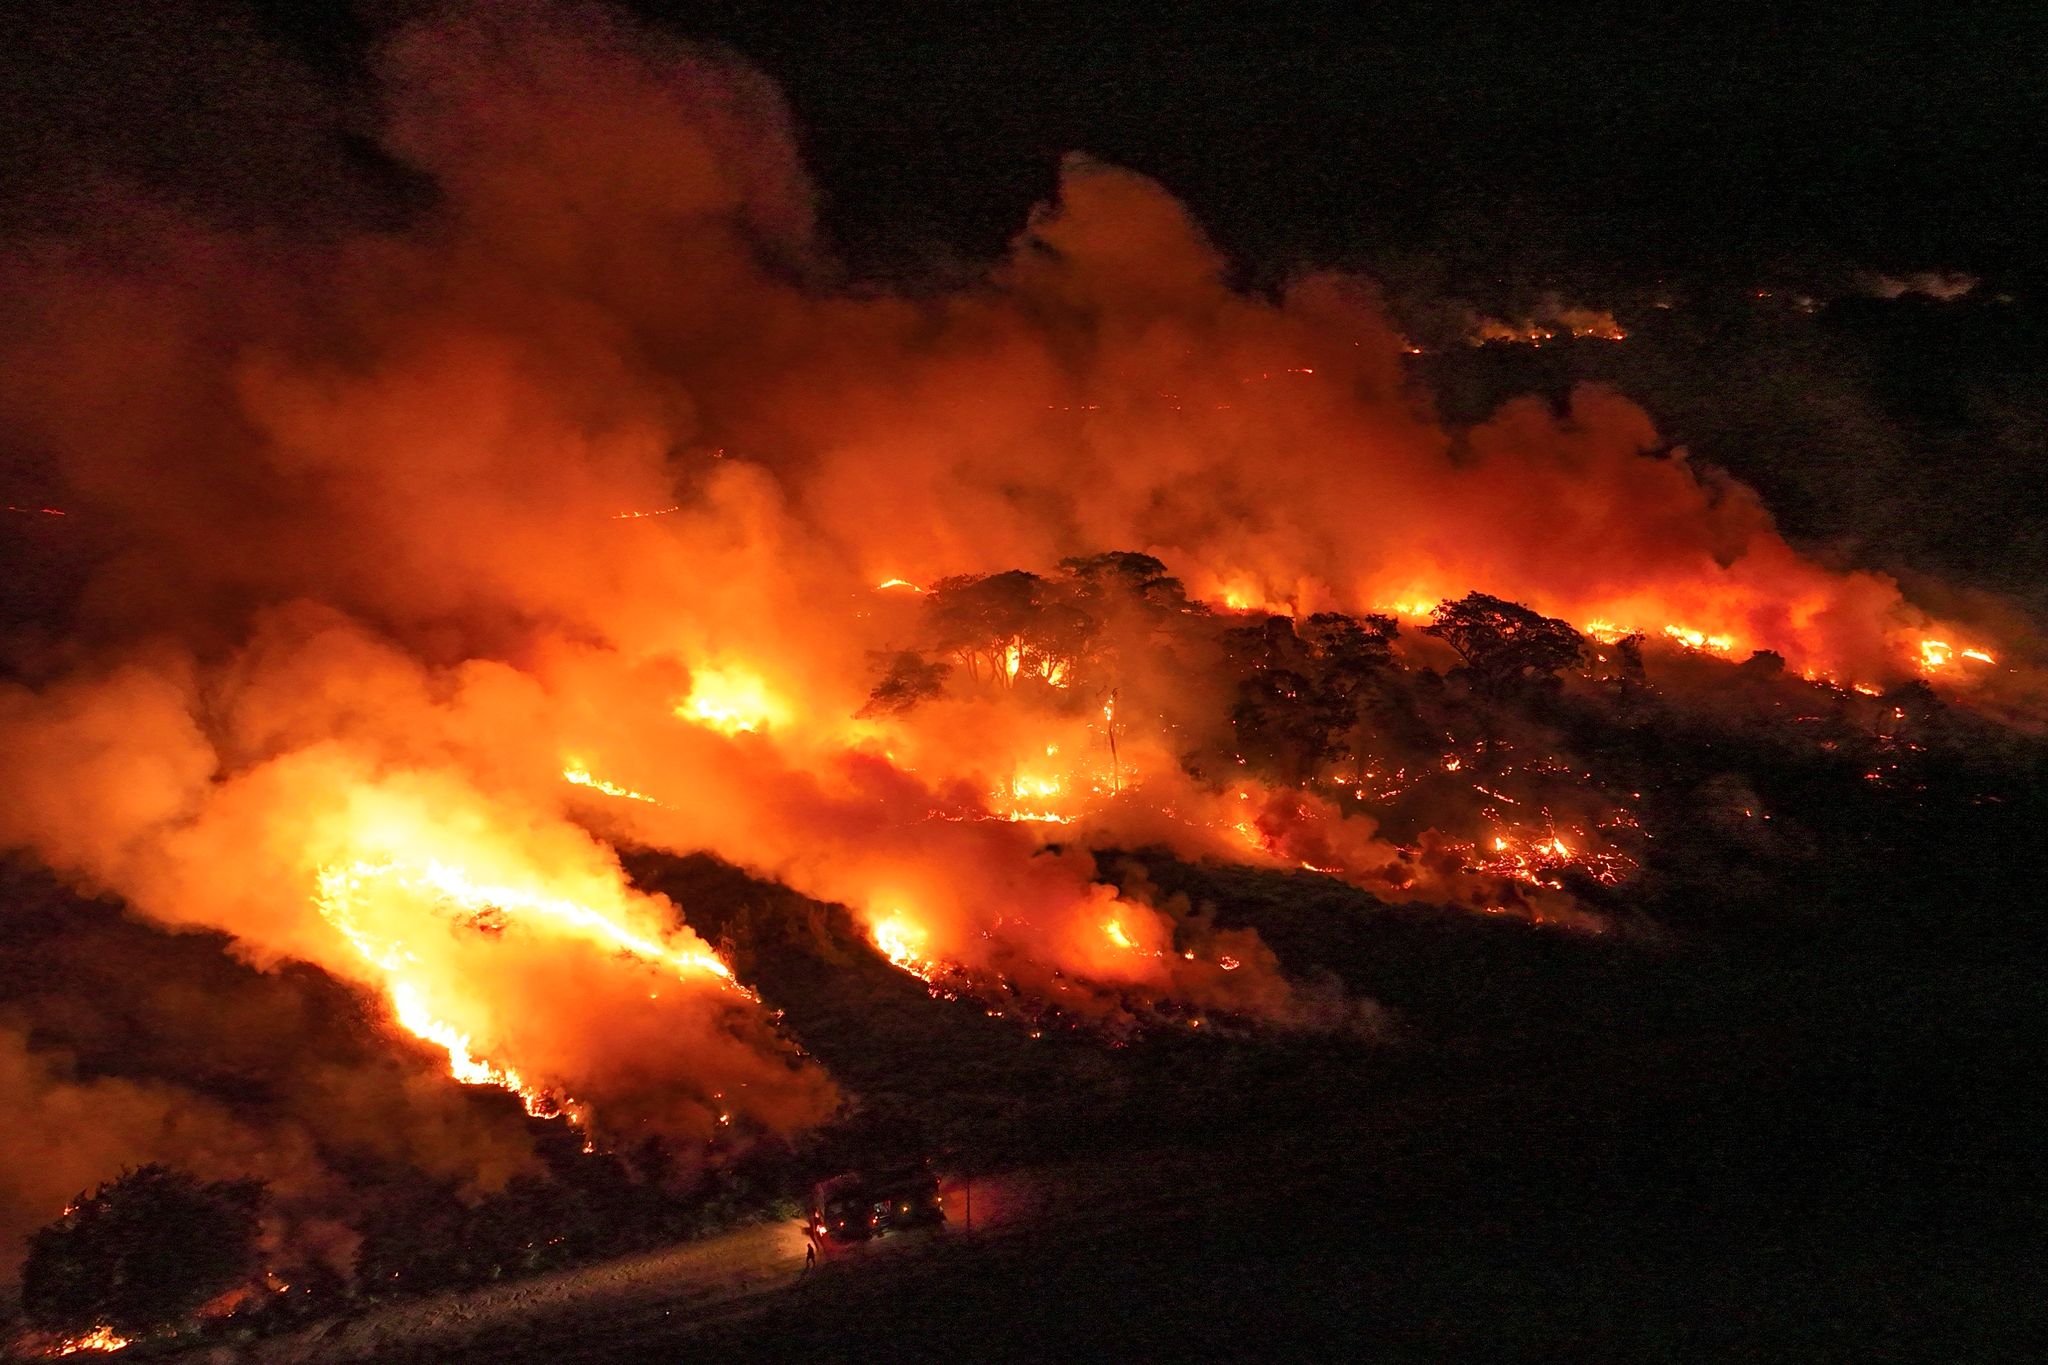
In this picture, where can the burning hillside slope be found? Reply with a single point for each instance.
(436, 558)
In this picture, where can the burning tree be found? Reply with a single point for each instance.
(1504, 644)
(141, 1252)
(1007, 629)
(1009, 626)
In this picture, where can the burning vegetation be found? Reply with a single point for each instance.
(933, 602)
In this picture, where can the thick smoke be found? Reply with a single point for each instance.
(593, 468)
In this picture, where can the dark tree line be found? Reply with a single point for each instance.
(1302, 692)
(142, 1252)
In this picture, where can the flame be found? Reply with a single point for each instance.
(1540, 861)
(1938, 654)
(1114, 931)
(348, 894)
(732, 701)
(100, 1339)
(1700, 640)
(583, 777)
(889, 583)
(463, 1064)
(902, 941)
(1031, 798)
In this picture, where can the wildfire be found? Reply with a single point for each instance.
(1541, 861)
(731, 701)
(1027, 799)
(583, 777)
(382, 641)
(1700, 640)
(902, 941)
(1938, 654)
(349, 894)
(463, 1064)
(1523, 333)
(99, 1339)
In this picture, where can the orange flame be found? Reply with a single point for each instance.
(99, 1339)
(731, 701)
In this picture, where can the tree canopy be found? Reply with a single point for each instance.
(1504, 644)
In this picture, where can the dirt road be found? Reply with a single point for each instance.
(659, 1290)
(686, 1279)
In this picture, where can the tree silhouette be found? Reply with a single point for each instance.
(907, 679)
(1301, 694)
(1140, 578)
(1504, 644)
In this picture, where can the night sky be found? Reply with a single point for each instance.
(1496, 137)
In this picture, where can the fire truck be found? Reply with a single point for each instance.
(859, 1207)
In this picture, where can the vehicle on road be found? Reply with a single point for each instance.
(858, 1207)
